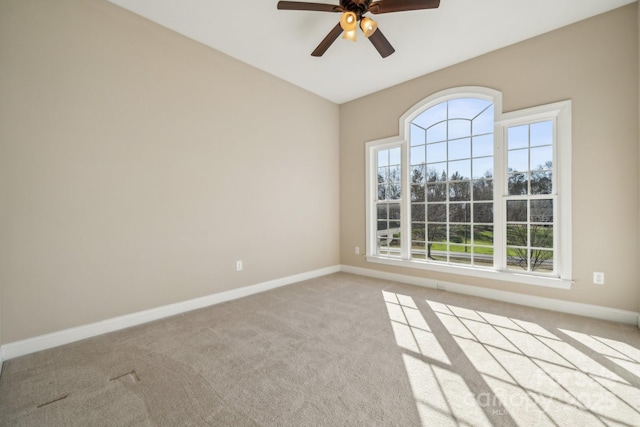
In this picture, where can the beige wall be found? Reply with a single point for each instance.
(595, 64)
(136, 167)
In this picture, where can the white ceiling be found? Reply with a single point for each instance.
(280, 42)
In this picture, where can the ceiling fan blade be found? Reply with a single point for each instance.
(380, 42)
(327, 41)
(318, 7)
(388, 6)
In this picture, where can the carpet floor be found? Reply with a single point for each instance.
(340, 350)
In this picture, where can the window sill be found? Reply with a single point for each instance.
(506, 276)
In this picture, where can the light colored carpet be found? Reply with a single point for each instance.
(340, 350)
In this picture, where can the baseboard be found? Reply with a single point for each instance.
(66, 336)
(588, 310)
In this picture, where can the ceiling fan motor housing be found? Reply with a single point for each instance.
(359, 7)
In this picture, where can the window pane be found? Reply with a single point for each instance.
(460, 169)
(417, 193)
(394, 174)
(459, 128)
(483, 212)
(517, 210)
(417, 175)
(383, 213)
(437, 172)
(460, 191)
(541, 182)
(518, 137)
(437, 152)
(460, 234)
(483, 167)
(518, 161)
(541, 157)
(417, 212)
(417, 232)
(518, 184)
(459, 212)
(459, 258)
(383, 158)
(483, 256)
(394, 191)
(542, 236)
(389, 174)
(438, 252)
(383, 174)
(467, 108)
(437, 132)
(436, 192)
(483, 145)
(418, 250)
(483, 235)
(517, 259)
(542, 133)
(541, 210)
(435, 114)
(483, 189)
(436, 233)
(460, 149)
(484, 122)
(417, 136)
(437, 212)
(394, 156)
(417, 155)
(394, 211)
(542, 261)
(517, 235)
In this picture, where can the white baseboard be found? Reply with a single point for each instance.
(66, 336)
(588, 310)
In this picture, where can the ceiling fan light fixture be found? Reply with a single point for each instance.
(350, 35)
(349, 21)
(368, 26)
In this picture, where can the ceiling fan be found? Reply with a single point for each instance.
(352, 12)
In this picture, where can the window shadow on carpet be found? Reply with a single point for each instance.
(473, 367)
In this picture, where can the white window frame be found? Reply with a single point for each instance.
(559, 113)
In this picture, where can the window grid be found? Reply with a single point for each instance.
(546, 189)
(388, 202)
(530, 201)
(452, 203)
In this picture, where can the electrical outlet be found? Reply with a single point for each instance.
(356, 250)
(598, 278)
(238, 265)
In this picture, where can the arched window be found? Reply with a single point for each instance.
(469, 190)
(451, 179)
